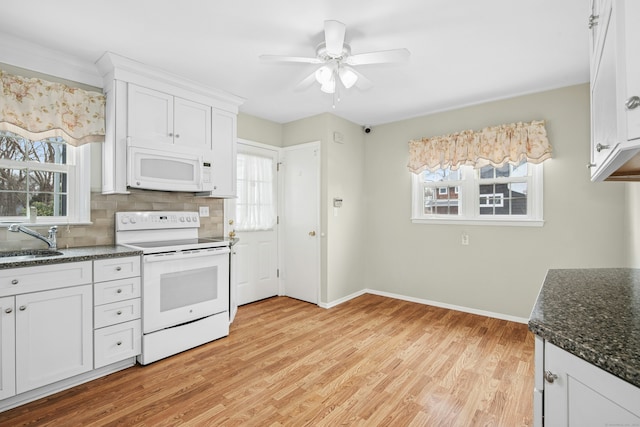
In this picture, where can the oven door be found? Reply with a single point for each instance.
(179, 287)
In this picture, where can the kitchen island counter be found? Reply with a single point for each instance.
(593, 314)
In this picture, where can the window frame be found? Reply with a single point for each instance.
(468, 206)
(78, 170)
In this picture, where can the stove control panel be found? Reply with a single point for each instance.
(156, 220)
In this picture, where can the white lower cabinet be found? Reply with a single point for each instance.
(53, 336)
(7, 347)
(118, 329)
(577, 393)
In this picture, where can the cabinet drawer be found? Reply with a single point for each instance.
(116, 268)
(117, 342)
(116, 290)
(42, 278)
(116, 312)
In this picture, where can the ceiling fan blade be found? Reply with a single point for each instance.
(281, 58)
(306, 82)
(334, 37)
(362, 83)
(380, 57)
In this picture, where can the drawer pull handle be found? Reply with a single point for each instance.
(119, 312)
(9, 310)
(632, 103)
(550, 377)
(119, 343)
(23, 307)
(14, 282)
(118, 268)
(119, 291)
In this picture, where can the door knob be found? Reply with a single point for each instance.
(312, 233)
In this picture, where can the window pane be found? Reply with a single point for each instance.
(441, 175)
(519, 170)
(441, 201)
(487, 172)
(255, 206)
(51, 150)
(503, 171)
(12, 148)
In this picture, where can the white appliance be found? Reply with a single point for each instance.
(185, 281)
(156, 169)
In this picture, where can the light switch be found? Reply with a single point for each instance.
(204, 211)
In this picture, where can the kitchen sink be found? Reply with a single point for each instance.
(28, 254)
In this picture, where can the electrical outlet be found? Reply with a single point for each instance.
(465, 239)
(204, 211)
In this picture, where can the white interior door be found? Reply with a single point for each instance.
(301, 222)
(253, 216)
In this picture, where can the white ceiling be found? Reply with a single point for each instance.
(462, 52)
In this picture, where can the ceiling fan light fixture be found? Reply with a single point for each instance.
(329, 86)
(347, 76)
(324, 74)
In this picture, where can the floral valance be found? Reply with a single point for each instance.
(494, 146)
(38, 109)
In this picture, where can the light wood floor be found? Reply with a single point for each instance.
(368, 362)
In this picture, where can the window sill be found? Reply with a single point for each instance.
(491, 222)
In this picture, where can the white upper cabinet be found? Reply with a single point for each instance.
(153, 109)
(192, 124)
(150, 116)
(156, 118)
(615, 90)
(223, 169)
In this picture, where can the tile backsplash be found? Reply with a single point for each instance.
(103, 208)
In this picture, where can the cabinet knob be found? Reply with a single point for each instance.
(9, 310)
(118, 268)
(119, 343)
(591, 165)
(171, 134)
(177, 135)
(23, 307)
(312, 233)
(601, 147)
(14, 282)
(550, 377)
(119, 312)
(632, 103)
(119, 291)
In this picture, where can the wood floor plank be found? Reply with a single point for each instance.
(372, 361)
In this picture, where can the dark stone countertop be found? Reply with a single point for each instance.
(87, 253)
(595, 315)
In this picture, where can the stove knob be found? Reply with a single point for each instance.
(195, 219)
(133, 220)
(188, 219)
(124, 220)
(181, 219)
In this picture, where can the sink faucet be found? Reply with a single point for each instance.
(51, 240)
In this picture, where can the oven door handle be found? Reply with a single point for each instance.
(171, 256)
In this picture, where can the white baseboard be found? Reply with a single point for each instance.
(494, 315)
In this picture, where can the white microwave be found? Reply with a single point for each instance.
(154, 169)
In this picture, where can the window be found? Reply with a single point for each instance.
(506, 195)
(46, 178)
(255, 205)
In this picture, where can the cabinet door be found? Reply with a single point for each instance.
(149, 117)
(7, 348)
(192, 124)
(223, 168)
(54, 331)
(604, 124)
(631, 41)
(582, 394)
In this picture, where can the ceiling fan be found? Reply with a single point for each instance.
(337, 63)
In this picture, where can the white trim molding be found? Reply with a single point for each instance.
(484, 313)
